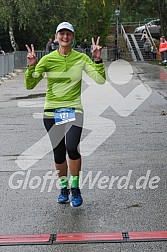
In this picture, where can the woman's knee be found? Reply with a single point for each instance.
(59, 159)
(73, 153)
(59, 155)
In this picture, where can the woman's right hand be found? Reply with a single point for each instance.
(31, 57)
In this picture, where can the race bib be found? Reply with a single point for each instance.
(64, 115)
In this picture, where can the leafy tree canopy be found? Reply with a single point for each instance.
(34, 21)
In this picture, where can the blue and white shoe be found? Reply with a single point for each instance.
(76, 198)
(63, 196)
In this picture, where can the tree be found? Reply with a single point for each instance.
(139, 10)
(37, 19)
(96, 20)
(22, 14)
(34, 21)
(162, 7)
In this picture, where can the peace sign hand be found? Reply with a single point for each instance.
(31, 57)
(96, 50)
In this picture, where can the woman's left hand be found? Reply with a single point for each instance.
(96, 50)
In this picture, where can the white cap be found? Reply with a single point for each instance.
(65, 25)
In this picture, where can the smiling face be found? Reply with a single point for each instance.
(65, 38)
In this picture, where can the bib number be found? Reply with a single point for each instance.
(64, 115)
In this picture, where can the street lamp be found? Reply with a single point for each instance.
(117, 13)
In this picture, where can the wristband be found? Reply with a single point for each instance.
(99, 61)
(33, 66)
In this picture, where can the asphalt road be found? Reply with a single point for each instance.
(124, 179)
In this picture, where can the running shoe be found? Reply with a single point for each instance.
(76, 199)
(63, 196)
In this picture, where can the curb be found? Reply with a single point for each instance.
(83, 238)
(10, 76)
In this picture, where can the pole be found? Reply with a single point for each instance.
(117, 32)
(117, 13)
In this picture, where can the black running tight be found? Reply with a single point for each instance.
(65, 137)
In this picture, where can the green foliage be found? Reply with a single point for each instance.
(37, 19)
(139, 10)
(95, 20)
(34, 21)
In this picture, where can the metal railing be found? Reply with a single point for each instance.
(128, 44)
(18, 60)
(150, 37)
(6, 64)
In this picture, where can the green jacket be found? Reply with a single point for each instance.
(64, 77)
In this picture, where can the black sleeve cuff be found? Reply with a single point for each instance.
(99, 61)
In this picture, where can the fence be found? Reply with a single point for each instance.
(6, 64)
(18, 60)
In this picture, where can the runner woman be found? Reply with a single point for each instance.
(63, 112)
